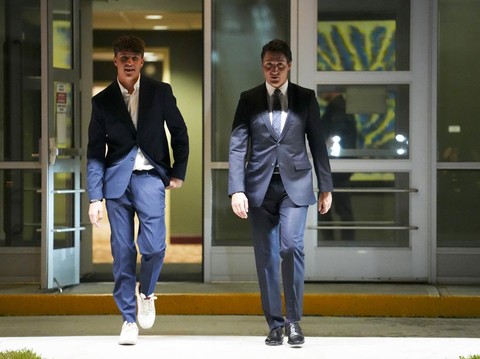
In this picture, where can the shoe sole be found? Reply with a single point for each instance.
(273, 344)
(299, 343)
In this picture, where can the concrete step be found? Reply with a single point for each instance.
(360, 300)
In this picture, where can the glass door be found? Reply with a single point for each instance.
(60, 145)
(39, 156)
(368, 62)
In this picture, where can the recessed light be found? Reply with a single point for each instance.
(160, 27)
(153, 17)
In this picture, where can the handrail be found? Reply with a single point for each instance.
(394, 228)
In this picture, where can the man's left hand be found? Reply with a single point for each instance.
(175, 183)
(324, 202)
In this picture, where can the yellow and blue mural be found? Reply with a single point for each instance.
(366, 46)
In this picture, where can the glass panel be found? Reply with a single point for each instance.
(21, 208)
(63, 114)
(367, 35)
(458, 208)
(20, 104)
(62, 34)
(246, 25)
(365, 121)
(364, 206)
(227, 228)
(458, 80)
(63, 210)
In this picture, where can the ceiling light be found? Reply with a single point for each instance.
(160, 27)
(154, 17)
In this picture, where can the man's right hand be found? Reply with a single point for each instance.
(240, 204)
(95, 212)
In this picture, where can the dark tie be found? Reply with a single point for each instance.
(276, 113)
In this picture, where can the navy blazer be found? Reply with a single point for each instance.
(254, 150)
(114, 141)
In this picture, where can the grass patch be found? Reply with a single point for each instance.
(476, 356)
(19, 354)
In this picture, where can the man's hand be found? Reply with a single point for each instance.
(240, 204)
(324, 202)
(175, 183)
(95, 212)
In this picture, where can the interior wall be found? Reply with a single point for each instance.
(186, 68)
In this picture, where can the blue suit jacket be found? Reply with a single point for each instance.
(254, 151)
(114, 141)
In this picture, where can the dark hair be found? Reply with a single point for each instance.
(277, 45)
(129, 43)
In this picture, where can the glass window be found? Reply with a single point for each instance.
(365, 121)
(20, 195)
(240, 29)
(368, 209)
(62, 34)
(458, 208)
(458, 80)
(227, 228)
(63, 210)
(367, 35)
(20, 104)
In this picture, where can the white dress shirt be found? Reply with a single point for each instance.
(283, 101)
(131, 100)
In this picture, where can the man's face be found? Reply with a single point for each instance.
(275, 68)
(128, 65)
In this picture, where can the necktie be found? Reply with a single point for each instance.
(276, 113)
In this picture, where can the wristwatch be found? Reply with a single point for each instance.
(96, 200)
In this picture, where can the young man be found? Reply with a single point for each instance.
(273, 185)
(128, 164)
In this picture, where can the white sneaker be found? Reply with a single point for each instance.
(145, 308)
(129, 334)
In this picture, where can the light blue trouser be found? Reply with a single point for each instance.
(145, 196)
(278, 227)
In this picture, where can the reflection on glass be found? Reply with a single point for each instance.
(368, 210)
(351, 38)
(367, 121)
(458, 81)
(240, 29)
(21, 211)
(63, 210)
(227, 228)
(458, 208)
(62, 34)
(20, 96)
(63, 114)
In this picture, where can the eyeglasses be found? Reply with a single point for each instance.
(280, 66)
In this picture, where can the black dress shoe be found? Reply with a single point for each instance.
(275, 337)
(294, 333)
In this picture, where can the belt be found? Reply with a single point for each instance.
(145, 172)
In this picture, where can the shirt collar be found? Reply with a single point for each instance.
(135, 87)
(282, 88)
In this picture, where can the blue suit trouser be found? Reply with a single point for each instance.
(278, 227)
(145, 197)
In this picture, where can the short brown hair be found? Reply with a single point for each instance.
(129, 43)
(277, 45)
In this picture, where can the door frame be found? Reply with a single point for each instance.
(375, 263)
(59, 267)
(222, 263)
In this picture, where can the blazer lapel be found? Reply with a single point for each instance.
(262, 105)
(118, 106)
(290, 113)
(145, 99)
